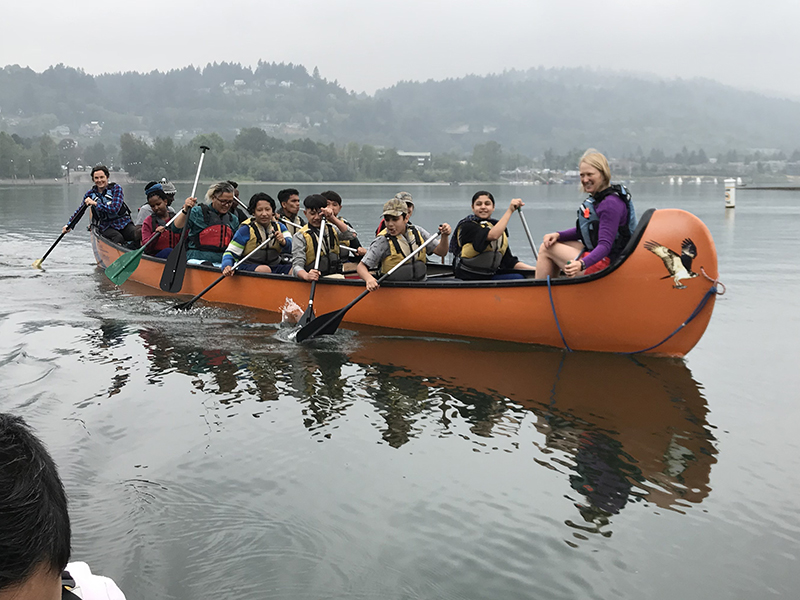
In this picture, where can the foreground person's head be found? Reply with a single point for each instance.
(220, 196)
(594, 171)
(34, 522)
(313, 209)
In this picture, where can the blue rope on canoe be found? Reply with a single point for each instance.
(555, 316)
(711, 292)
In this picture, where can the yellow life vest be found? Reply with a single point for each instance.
(329, 262)
(269, 254)
(485, 262)
(401, 246)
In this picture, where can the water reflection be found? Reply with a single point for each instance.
(619, 429)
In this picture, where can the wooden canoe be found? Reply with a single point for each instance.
(632, 306)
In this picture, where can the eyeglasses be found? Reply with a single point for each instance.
(225, 202)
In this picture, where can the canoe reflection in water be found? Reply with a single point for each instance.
(631, 428)
(619, 429)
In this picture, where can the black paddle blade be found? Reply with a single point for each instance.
(185, 305)
(175, 269)
(326, 324)
(307, 317)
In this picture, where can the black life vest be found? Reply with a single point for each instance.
(588, 223)
(99, 218)
(217, 233)
(474, 264)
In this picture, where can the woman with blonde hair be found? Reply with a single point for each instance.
(211, 224)
(606, 220)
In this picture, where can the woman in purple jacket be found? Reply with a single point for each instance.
(606, 220)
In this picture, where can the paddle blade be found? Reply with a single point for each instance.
(185, 305)
(326, 324)
(37, 264)
(307, 316)
(175, 269)
(122, 268)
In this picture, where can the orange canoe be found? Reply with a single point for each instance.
(648, 301)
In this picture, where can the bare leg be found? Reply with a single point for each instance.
(552, 260)
(263, 269)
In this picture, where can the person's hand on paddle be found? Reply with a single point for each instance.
(550, 239)
(189, 204)
(312, 275)
(278, 233)
(372, 283)
(516, 204)
(90, 202)
(160, 229)
(445, 229)
(65, 229)
(573, 268)
(361, 251)
(228, 271)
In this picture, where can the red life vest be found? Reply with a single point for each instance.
(217, 234)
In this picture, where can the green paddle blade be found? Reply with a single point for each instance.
(122, 268)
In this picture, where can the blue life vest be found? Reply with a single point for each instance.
(99, 218)
(588, 223)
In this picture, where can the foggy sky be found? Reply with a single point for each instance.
(369, 44)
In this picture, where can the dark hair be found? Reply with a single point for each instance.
(102, 168)
(284, 195)
(482, 193)
(149, 185)
(315, 201)
(34, 528)
(233, 183)
(259, 197)
(332, 196)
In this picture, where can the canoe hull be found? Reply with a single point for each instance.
(629, 308)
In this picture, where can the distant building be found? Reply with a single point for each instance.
(419, 159)
(60, 131)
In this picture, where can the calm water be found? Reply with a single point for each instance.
(207, 457)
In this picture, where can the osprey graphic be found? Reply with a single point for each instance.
(678, 265)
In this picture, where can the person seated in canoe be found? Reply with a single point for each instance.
(335, 204)
(160, 214)
(211, 225)
(480, 243)
(405, 197)
(145, 210)
(110, 215)
(606, 220)
(289, 199)
(276, 256)
(398, 239)
(304, 242)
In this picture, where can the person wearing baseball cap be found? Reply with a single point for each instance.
(405, 197)
(398, 239)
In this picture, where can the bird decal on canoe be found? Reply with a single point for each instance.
(678, 265)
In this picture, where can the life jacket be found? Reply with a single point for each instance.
(217, 233)
(588, 223)
(329, 261)
(167, 239)
(486, 262)
(99, 218)
(269, 254)
(298, 222)
(401, 246)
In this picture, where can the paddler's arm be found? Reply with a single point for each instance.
(188, 204)
(496, 232)
(443, 246)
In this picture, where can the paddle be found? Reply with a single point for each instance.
(188, 304)
(175, 269)
(309, 314)
(37, 264)
(528, 233)
(122, 268)
(329, 322)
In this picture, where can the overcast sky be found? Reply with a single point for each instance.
(369, 44)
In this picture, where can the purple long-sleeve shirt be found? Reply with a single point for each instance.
(613, 214)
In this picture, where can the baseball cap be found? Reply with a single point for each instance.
(395, 208)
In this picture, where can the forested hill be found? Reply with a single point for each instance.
(525, 111)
